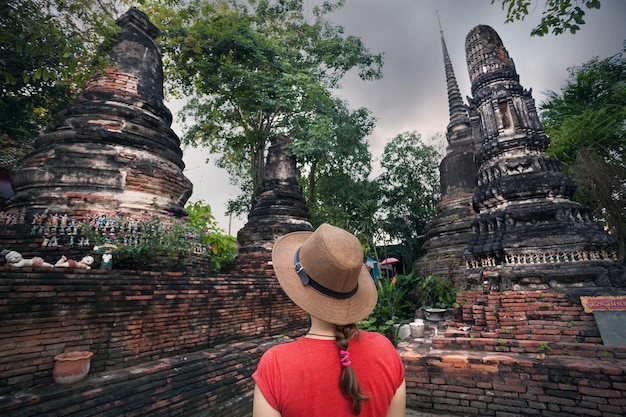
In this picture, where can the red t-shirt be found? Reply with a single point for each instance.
(301, 378)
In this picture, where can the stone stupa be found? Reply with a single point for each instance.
(447, 234)
(113, 150)
(528, 230)
(278, 208)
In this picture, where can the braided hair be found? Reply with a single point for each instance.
(348, 382)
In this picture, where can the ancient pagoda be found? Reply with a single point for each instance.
(526, 219)
(448, 233)
(113, 150)
(278, 208)
(506, 216)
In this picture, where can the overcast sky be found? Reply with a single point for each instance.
(411, 96)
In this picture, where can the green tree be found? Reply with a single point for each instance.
(254, 70)
(47, 48)
(559, 16)
(223, 247)
(586, 123)
(367, 220)
(330, 142)
(410, 189)
(335, 161)
(348, 204)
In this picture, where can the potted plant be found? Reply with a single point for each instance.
(434, 295)
(392, 310)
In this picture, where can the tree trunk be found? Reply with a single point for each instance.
(258, 165)
(311, 200)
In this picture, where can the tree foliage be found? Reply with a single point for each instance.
(223, 247)
(410, 190)
(335, 161)
(257, 69)
(586, 123)
(47, 48)
(349, 204)
(559, 16)
(366, 221)
(603, 185)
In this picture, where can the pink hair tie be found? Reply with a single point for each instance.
(345, 358)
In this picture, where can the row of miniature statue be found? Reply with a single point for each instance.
(16, 260)
(542, 258)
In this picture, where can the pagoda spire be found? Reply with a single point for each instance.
(458, 112)
(447, 234)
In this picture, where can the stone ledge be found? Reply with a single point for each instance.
(461, 341)
(442, 378)
(215, 381)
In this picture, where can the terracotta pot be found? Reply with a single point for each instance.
(71, 367)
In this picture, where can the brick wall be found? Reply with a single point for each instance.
(213, 382)
(128, 318)
(523, 316)
(186, 343)
(514, 353)
(476, 383)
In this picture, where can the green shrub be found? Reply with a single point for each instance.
(151, 237)
(434, 291)
(393, 307)
(223, 247)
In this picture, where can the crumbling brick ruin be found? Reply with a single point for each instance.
(185, 342)
(113, 150)
(522, 253)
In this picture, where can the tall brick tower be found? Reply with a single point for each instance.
(527, 220)
(448, 233)
(114, 149)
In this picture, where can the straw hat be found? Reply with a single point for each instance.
(324, 274)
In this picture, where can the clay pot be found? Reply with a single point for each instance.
(71, 367)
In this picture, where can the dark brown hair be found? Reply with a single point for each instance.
(348, 382)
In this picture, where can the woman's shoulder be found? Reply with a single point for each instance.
(287, 347)
(374, 338)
